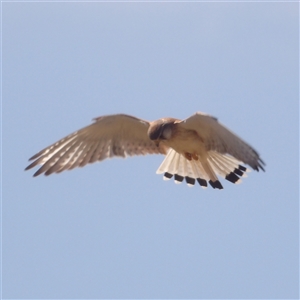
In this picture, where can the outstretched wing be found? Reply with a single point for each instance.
(218, 138)
(114, 135)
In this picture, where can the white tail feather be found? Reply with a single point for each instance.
(175, 163)
(205, 169)
(167, 162)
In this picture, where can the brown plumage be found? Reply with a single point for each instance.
(197, 148)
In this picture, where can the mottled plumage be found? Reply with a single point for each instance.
(197, 148)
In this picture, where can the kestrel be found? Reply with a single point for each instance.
(197, 149)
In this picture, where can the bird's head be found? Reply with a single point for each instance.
(161, 129)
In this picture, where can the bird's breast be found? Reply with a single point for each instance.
(185, 141)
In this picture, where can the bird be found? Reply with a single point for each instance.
(197, 149)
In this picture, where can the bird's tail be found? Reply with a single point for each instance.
(202, 170)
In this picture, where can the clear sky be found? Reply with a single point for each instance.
(115, 229)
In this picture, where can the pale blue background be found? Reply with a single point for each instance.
(116, 229)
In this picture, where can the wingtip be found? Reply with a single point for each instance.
(38, 172)
(29, 167)
(260, 165)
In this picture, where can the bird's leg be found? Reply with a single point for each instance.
(195, 156)
(188, 156)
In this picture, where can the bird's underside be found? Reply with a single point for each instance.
(197, 149)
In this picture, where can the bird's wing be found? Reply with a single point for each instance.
(218, 138)
(109, 136)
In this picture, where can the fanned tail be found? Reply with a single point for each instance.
(202, 170)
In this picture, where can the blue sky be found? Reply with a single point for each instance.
(115, 229)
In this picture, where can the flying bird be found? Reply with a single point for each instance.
(196, 149)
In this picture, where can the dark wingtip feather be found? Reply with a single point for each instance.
(37, 173)
(48, 172)
(261, 163)
(33, 164)
(36, 155)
